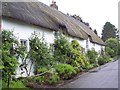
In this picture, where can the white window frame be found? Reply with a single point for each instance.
(24, 42)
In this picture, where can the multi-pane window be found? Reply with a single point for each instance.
(24, 43)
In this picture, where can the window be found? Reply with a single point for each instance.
(24, 43)
(92, 48)
(87, 44)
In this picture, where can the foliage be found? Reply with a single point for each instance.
(109, 31)
(103, 59)
(78, 69)
(78, 59)
(111, 47)
(61, 48)
(39, 79)
(118, 49)
(39, 52)
(42, 70)
(90, 66)
(92, 55)
(65, 71)
(9, 60)
(14, 84)
(53, 79)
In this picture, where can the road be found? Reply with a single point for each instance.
(106, 76)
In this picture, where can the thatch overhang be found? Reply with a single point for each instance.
(42, 15)
(92, 36)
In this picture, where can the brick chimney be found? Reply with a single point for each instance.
(53, 5)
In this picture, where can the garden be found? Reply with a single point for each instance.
(53, 64)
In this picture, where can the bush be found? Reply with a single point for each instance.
(79, 59)
(39, 52)
(39, 79)
(90, 66)
(110, 52)
(103, 59)
(65, 71)
(92, 55)
(112, 47)
(53, 79)
(74, 63)
(14, 84)
(78, 69)
(61, 47)
(42, 70)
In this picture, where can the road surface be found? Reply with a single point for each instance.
(105, 77)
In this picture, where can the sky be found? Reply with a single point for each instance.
(96, 12)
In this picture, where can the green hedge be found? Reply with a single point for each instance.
(65, 71)
(103, 59)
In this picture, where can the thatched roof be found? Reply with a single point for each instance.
(47, 17)
(93, 37)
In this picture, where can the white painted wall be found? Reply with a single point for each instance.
(24, 30)
(81, 42)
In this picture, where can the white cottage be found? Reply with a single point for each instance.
(26, 17)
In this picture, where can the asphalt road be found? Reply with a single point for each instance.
(105, 76)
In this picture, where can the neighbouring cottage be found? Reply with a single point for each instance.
(26, 17)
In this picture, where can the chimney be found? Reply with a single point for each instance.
(53, 5)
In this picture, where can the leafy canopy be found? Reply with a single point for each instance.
(109, 31)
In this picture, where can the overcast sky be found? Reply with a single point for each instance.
(96, 12)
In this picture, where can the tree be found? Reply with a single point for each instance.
(111, 47)
(109, 31)
(9, 44)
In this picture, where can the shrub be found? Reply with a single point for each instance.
(92, 55)
(110, 52)
(78, 69)
(53, 79)
(39, 52)
(61, 47)
(74, 63)
(112, 47)
(90, 66)
(103, 59)
(39, 79)
(42, 70)
(65, 71)
(79, 59)
(28, 79)
(9, 60)
(14, 84)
